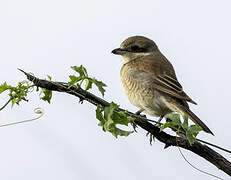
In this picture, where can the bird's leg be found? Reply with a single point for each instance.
(151, 137)
(133, 123)
(140, 111)
(158, 123)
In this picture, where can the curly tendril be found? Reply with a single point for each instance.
(36, 111)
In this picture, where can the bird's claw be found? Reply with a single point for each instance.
(158, 124)
(151, 138)
(134, 126)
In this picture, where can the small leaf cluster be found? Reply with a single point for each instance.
(46, 94)
(110, 116)
(16, 93)
(190, 131)
(83, 77)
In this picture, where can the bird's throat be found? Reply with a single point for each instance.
(132, 56)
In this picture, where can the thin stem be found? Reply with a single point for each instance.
(37, 111)
(5, 104)
(196, 167)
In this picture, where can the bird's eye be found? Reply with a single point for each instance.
(135, 48)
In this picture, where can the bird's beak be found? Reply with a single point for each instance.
(119, 51)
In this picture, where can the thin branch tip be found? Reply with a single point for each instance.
(21, 70)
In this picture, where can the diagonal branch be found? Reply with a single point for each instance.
(198, 148)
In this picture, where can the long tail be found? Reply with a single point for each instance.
(193, 117)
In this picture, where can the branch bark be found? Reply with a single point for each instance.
(198, 148)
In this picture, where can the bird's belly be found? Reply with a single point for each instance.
(143, 97)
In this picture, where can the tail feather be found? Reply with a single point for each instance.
(194, 118)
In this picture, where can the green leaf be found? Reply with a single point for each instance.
(83, 77)
(175, 118)
(122, 118)
(100, 85)
(16, 93)
(15, 101)
(4, 87)
(175, 121)
(191, 131)
(190, 137)
(46, 95)
(88, 84)
(99, 116)
(167, 124)
(74, 80)
(119, 132)
(108, 112)
(110, 117)
(185, 123)
(195, 129)
(81, 70)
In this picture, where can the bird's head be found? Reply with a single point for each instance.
(135, 47)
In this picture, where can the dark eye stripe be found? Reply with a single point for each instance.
(135, 48)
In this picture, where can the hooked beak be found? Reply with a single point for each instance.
(119, 51)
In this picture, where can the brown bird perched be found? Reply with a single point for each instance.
(150, 82)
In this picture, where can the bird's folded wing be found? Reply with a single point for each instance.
(171, 86)
(160, 75)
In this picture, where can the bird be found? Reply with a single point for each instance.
(150, 81)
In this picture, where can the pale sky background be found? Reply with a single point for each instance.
(49, 36)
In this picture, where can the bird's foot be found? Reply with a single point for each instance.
(134, 125)
(151, 137)
(158, 124)
(140, 111)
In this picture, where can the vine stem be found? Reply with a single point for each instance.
(37, 111)
(5, 104)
